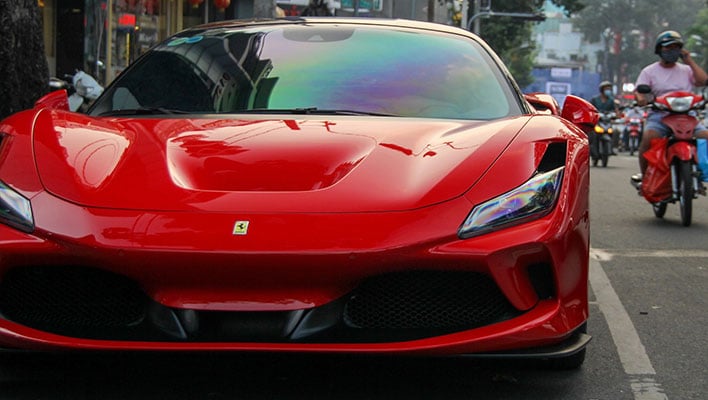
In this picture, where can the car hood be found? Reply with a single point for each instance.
(341, 164)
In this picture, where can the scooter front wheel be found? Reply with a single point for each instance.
(606, 151)
(684, 175)
(659, 209)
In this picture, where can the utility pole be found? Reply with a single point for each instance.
(483, 8)
(465, 10)
(477, 11)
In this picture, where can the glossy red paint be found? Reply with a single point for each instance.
(543, 103)
(57, 99)
(579, 111)
(264, 164)
(329, 202)
(184, 260)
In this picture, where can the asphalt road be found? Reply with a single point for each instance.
(649, 280)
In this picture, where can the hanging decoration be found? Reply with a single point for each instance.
(195, 3)
(222, 4)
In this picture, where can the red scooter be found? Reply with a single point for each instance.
(634, 128)
(672, 173)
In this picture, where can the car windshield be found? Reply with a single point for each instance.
(314, 69)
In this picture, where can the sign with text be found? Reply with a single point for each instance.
(371, 5)
(561, 72)
(559, 90)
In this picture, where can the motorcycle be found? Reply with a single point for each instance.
(601, 143)
(672, 174)
(634, 132)
(81, 88)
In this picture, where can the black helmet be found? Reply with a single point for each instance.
(666, 38)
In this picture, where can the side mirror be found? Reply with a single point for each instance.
(58, 100)
(644, 89)
(543, 103)
(580, 112)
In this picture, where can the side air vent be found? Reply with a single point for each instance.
(554, 157)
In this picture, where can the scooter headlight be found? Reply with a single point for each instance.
(680, 104)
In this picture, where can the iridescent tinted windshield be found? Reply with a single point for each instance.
(366, 69)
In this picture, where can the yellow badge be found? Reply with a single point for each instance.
(240, 228)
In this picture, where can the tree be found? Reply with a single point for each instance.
(24, 70)
(629, 29)
(697, 38)
(509, 37)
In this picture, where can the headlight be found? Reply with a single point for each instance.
(598, 129)
(15, 210)
(532, 200)
(680, 104)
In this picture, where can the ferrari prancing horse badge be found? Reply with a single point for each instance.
(240, 228)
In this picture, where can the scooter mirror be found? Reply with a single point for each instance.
(644, 89)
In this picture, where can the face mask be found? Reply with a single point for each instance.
(670, 56)
(607, 93)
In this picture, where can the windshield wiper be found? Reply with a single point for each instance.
(144, 111)
(310, 111)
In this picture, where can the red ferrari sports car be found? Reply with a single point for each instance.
(310, 185)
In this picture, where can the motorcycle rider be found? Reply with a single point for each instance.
(632, 112)
(663, 76)
(605, 103)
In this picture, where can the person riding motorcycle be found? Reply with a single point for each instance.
(663, 76)
(632, 112)
(605, 103)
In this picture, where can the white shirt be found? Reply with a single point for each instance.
(663, 80)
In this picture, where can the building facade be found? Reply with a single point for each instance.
(566, 63)
(102, 37)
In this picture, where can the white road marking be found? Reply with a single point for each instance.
(608, 255)
(632, 354)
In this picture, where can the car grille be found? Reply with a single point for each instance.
(69, 300)
(96, 304)
(427, 300)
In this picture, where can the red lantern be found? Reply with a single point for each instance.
(195, 3)
(222, 4)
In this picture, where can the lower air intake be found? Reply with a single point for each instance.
(440, 300)
(71, 301)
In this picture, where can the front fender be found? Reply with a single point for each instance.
(684, 151)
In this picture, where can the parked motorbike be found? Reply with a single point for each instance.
(81, 88)
(672, 174)
(601, 143)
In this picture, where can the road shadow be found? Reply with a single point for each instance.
(274, 376)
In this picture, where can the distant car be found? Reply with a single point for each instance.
(309, 184)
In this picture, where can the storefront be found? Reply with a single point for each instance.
(103, 37)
